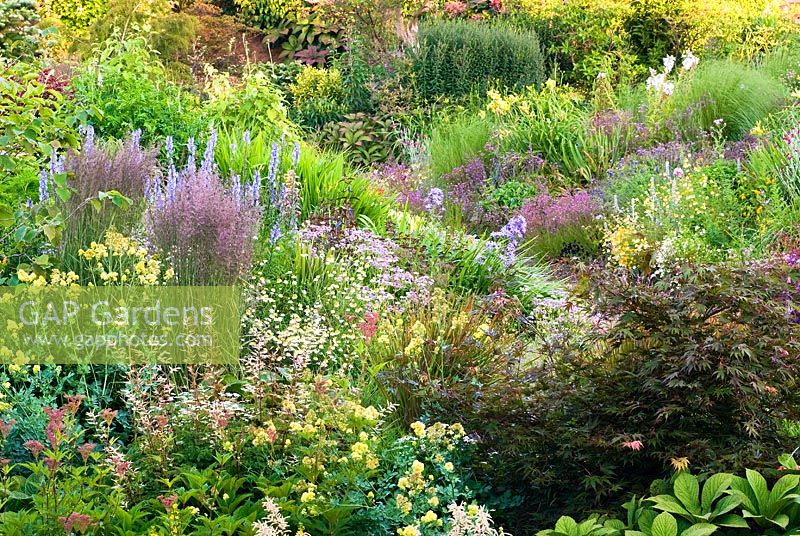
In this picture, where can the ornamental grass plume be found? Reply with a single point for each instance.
(125, 167)
(204, 228)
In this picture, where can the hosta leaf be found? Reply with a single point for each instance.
(567, 525)
(701, 529)
(664, 525)
(759, 486)
(713, 488)
(687, 490)
(731, 520)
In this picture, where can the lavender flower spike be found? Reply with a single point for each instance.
(44, 191)
(296, 154)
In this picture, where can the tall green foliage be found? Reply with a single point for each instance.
(456, 58)
(738, 94)
(129, 87)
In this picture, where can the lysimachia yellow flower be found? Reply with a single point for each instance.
(403, 503)
(359, 450)
(417, 467)
(418, 428)
(429, 517)
(409, 530)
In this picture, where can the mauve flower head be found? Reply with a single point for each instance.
(434, 202)
(205, 229)
(544, 213)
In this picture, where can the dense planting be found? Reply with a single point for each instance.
(495, 267)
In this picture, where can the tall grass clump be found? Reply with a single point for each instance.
(121, 166)
(738, 94)
(455, 58)
(456, 142)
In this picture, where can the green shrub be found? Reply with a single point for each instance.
(318, 95)
(585, 37)
(77, 15)
(34, 120)
(736, 93)
(268, 13)
(456, 58)
(170, 33)
(365, 139)
(129, 88)
(255, 104)
(624, 37)
(18, 32)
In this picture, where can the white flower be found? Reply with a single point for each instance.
(669, 63)
(690, 61)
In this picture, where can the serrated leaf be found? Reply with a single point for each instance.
(664, 525)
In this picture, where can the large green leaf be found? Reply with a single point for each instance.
(664, 525)
(668, 503)
(713, 488)
(784, 486)
(759, 486)
(567, 525)
(701, 529)
(687, 490)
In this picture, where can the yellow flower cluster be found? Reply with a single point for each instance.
(118, 259)
(498, 104)
(57, 278)
(627, 245)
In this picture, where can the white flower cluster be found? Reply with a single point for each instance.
(659, 83)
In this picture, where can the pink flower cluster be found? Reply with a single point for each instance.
(549, 214)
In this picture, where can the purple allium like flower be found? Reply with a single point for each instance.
(246, 137)
(434, 202)
(512, 232)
